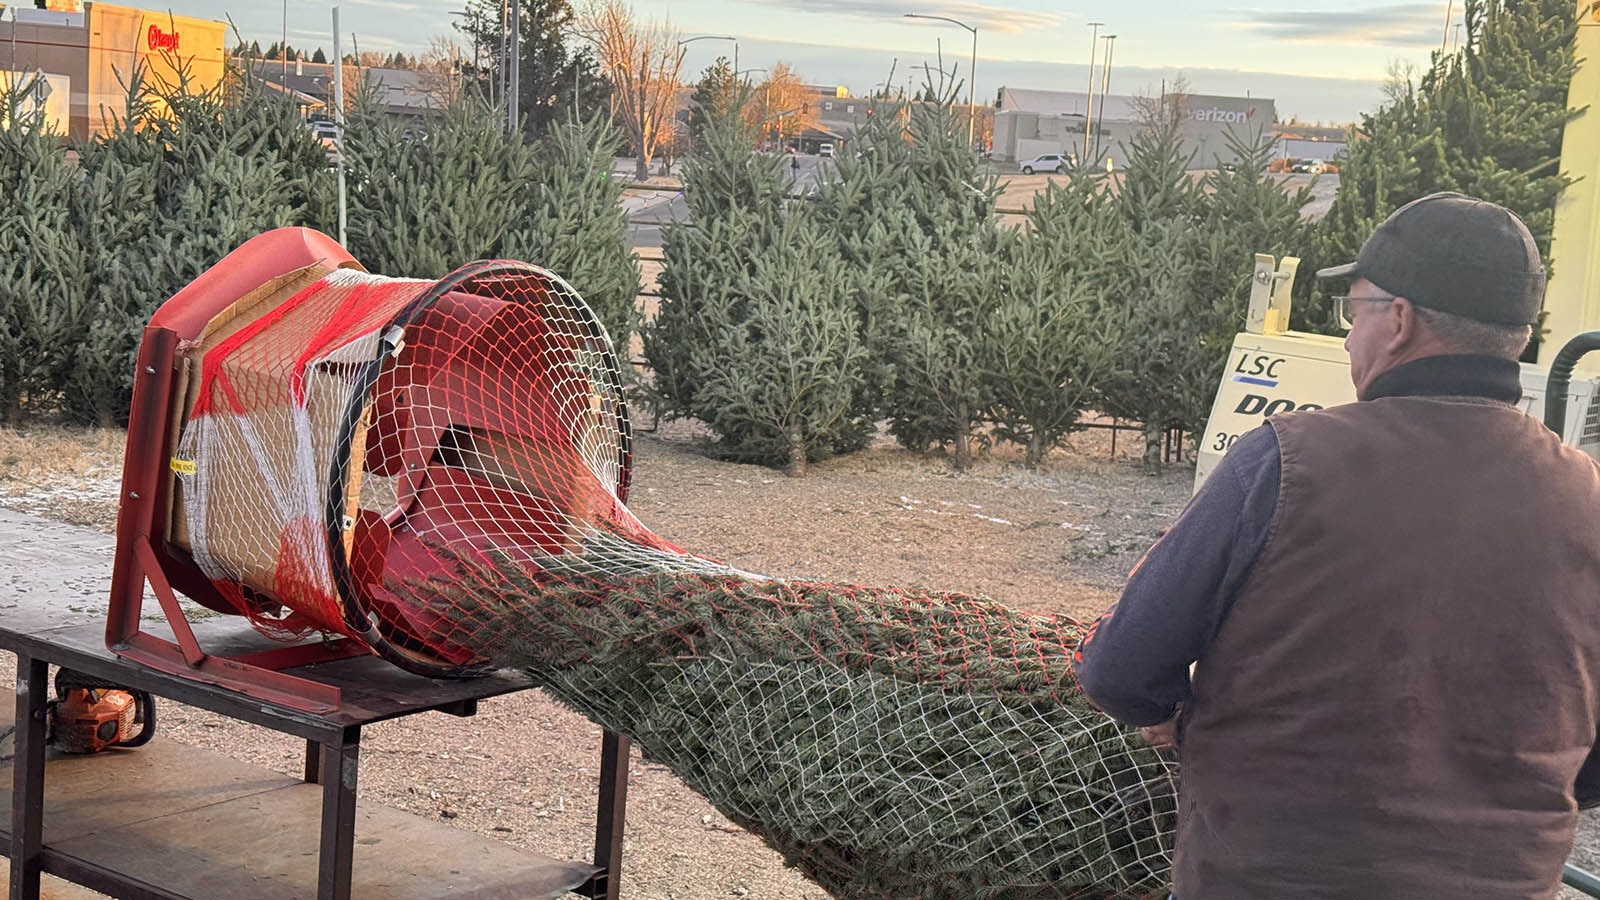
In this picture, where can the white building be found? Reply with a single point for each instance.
(1029, 123)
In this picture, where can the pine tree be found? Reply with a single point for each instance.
(781, 385)
(1052, 340)
(716, 95)
(117, 218)
(319, 57)
(734, 198)
(422, 208)
(574, 225)
(555, 78)
(916, 219)
(42, 281)
(1160, 208)
(1486, 121)
(758, 334)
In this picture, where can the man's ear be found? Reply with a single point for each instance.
(1408, 328)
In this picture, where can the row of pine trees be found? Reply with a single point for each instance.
(792, 326)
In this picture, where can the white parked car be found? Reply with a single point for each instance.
(825, 150)
(1049, 162)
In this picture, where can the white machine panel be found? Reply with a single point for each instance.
(1269, 374)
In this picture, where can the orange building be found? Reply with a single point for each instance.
(78, 58)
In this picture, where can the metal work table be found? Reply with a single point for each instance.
(169, 822)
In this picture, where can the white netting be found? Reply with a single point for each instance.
(439, 469)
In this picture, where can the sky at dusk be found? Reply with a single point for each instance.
(1319, 59)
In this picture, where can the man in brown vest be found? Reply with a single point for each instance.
(1391, 607)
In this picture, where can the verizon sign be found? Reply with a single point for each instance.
(1224, 116)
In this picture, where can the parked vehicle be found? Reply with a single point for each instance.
(1308, 166)
(1049, 162)
(825, 150)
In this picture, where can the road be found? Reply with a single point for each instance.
(661, 202)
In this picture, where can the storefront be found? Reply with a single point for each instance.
(87, 55)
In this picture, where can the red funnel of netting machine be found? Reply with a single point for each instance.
(305, 435)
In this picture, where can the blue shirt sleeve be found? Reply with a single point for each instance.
(1134, 662)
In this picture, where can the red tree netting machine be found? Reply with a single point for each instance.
(300, 427)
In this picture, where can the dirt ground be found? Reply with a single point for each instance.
(525, 769)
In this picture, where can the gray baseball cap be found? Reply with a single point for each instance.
(1456, 254)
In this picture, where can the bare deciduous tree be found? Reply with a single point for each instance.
(1169, 108)
(642, 61)
(439, 70)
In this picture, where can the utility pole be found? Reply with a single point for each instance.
(512, 118)
(1088, 117)
(338, 118)
(1105, 91)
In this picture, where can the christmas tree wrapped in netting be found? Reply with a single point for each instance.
(439, 470)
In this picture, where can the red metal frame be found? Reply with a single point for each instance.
(143, 555)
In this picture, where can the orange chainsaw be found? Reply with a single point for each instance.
(89, 715)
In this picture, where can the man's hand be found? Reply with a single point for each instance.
(1163, 736)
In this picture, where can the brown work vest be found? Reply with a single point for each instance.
(1400, 697)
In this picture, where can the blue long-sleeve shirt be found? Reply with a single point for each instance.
(1134, 662)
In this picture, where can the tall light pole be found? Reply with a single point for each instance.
(714, 37)
(1088, 116)
(515, 94)
(1105, 89)
(972, 73)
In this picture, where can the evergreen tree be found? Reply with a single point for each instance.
(42, 281)
(734, 198)
(555, 78)
(916, 219)
(1054, 335)
(716, 95)
(782, 385)
(1486, 120)
(422, 208)
(758, 334)
(117, 218)
(1161, 214)
(319, 57)
(574, 224)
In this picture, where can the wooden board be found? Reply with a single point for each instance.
(197, 824)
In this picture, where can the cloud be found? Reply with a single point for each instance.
(1411, 25)
(978, 15)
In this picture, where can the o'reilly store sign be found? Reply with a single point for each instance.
(1209, 118)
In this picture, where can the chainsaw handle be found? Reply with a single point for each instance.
(144, 712)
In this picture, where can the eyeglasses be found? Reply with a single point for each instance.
(1343, 302)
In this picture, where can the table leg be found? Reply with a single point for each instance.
(27, 779)
(609, 817)
(339, 765)
(313, 762)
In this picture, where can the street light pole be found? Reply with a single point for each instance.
(1088, 117)
(972, 74)
(1105, 89)
(512, 113)
(714, 37)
